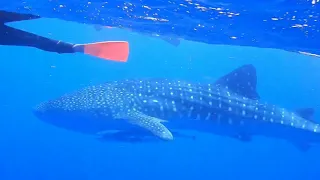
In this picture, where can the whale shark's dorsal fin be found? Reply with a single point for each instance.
(306, 113)
(242, 81)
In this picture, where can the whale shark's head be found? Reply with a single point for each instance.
(55, 113)
(88, 110)
(45, 110)
(78, 111)
(70, 105)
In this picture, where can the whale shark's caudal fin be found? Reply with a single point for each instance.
(242, 81)
(6, 16)
(306, 113)
(151, 124)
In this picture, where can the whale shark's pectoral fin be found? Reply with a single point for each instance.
(151, 124)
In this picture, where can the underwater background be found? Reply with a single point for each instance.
(31, 149)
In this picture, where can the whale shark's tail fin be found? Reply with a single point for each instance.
(6, 16)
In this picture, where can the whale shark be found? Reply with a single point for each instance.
(97, 109)
(229, 107)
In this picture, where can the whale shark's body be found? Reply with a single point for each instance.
(228, 107)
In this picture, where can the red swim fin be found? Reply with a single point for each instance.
(109, 50)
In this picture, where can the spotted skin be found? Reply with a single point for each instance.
(97, 109)
(228, 107)
(179, 100)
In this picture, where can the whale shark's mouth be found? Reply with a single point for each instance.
(38, 111)
(41, 110)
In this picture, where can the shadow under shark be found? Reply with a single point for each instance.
(139, 108)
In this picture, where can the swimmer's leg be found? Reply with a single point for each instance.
(117, 50)
(15, 37)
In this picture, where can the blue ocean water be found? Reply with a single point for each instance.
(32, 149)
